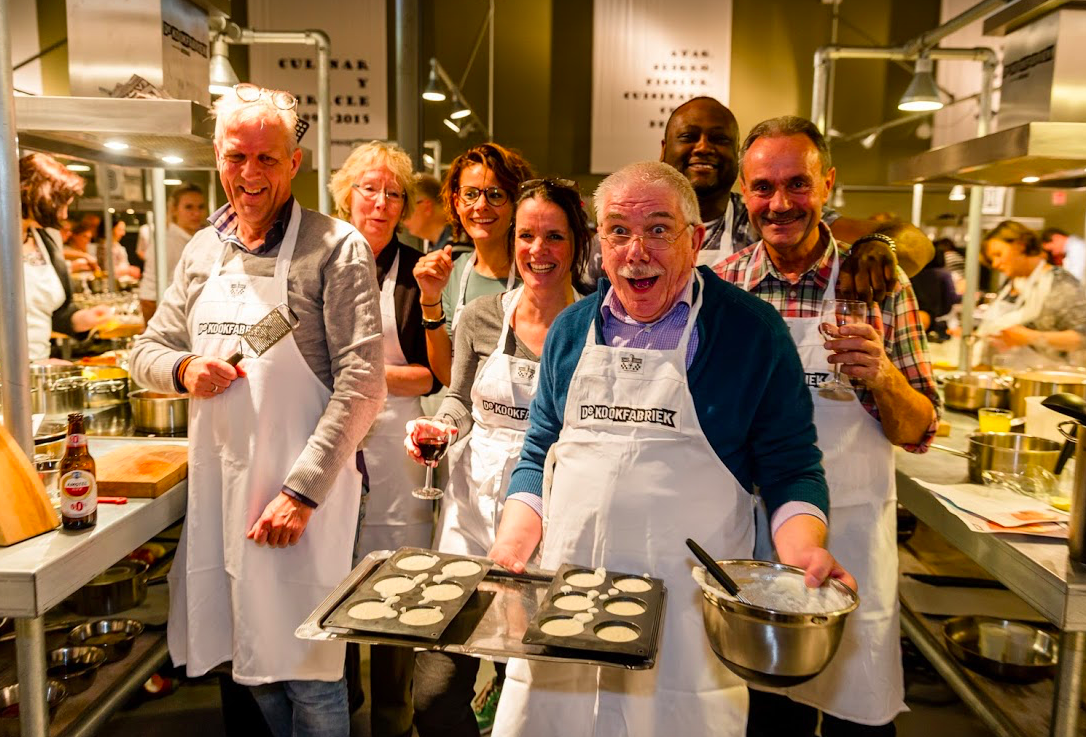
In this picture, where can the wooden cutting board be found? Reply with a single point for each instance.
(144, 471)
(25, 509)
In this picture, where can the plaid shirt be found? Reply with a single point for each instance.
(903, 336)
(225, 222)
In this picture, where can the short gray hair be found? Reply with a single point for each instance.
(229, 107)
(782, 127)
(647, 173)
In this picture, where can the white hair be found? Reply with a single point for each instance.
(230, 107)
(648, 173)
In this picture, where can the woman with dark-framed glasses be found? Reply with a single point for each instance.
(478, 198)
(494, 379)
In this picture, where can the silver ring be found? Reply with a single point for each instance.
(215, 388)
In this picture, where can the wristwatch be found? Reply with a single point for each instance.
(878, 237)
(434, 324)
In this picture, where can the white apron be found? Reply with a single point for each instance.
(626, 496)
(863, 683)
(232, 599)
(1003, 313)
(727, 248)
(43, 293)
(461, 296)
(393, 518)
(480, 464)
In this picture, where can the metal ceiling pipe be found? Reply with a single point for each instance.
(408, 117)
(930, 38)
(820, 87)
(162, 226)
(15, 373)
(232, 33)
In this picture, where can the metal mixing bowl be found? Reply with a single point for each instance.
(767, 647)
(9, 709)
(1002, 649)
(114, 636)
(75, 667)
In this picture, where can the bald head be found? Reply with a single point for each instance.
(701, 141)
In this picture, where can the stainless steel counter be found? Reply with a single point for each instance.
(39, 573)
(1036, 569)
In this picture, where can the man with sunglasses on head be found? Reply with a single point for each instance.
(274, 488)
(663, 401)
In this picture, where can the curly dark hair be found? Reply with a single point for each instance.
(565, 195)
(45, 186)
(508, 166)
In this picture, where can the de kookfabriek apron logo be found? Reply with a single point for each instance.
(504, 410)
(630, 363)
(652, 415)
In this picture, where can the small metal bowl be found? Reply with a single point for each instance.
(767, 647)
(9, 705)
(113, 636)
(1001, 648)
(75, 667)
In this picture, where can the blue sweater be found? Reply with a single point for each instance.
(748, 388)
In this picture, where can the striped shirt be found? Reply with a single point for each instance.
(622, 331)
(903, 336)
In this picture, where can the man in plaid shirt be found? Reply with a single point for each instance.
(786, 176)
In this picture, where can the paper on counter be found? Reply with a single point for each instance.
(1001, 506)
(976, 523)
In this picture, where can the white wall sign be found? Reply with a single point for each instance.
(359, 68)
(648, 57)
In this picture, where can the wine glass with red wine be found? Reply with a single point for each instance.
(432, 439)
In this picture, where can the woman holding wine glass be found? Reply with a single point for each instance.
(498, 343)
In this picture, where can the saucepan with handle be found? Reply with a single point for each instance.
(1009, 452)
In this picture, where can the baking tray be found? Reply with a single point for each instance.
(491, 623)
(396, 603)
(589, 610)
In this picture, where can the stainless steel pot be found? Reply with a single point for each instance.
(120, 587)
(114, 636)
(105, 392)
(162, 414)
(9, 698)
(75, 667)
(1009, 452)
(1044, 384)
(64, 396)
(970, 392)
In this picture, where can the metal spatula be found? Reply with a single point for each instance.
(268, 331)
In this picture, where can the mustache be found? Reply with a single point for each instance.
(639, 271)
(782, 217)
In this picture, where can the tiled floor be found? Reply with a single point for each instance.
(194, 710)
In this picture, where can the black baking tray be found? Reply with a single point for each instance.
(367, 591)
(646, 624)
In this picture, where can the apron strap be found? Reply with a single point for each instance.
(513, 299)
(282, 261)
(461, 297)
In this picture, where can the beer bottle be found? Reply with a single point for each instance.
(78, 488)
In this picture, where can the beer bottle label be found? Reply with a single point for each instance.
(76, 440)
(78, 494)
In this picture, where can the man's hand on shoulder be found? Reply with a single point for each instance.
(868, 272)
(282, 522)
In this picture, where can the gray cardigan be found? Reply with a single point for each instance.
(332, 287)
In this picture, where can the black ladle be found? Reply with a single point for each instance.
(717, 572)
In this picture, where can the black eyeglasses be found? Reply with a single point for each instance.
(251, 93)
(495, 196)
(552, 183)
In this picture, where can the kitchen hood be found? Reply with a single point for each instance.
(174, 134)
(1055, 153)
(1041, 137)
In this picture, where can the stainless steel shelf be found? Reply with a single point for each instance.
(1036, 569)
